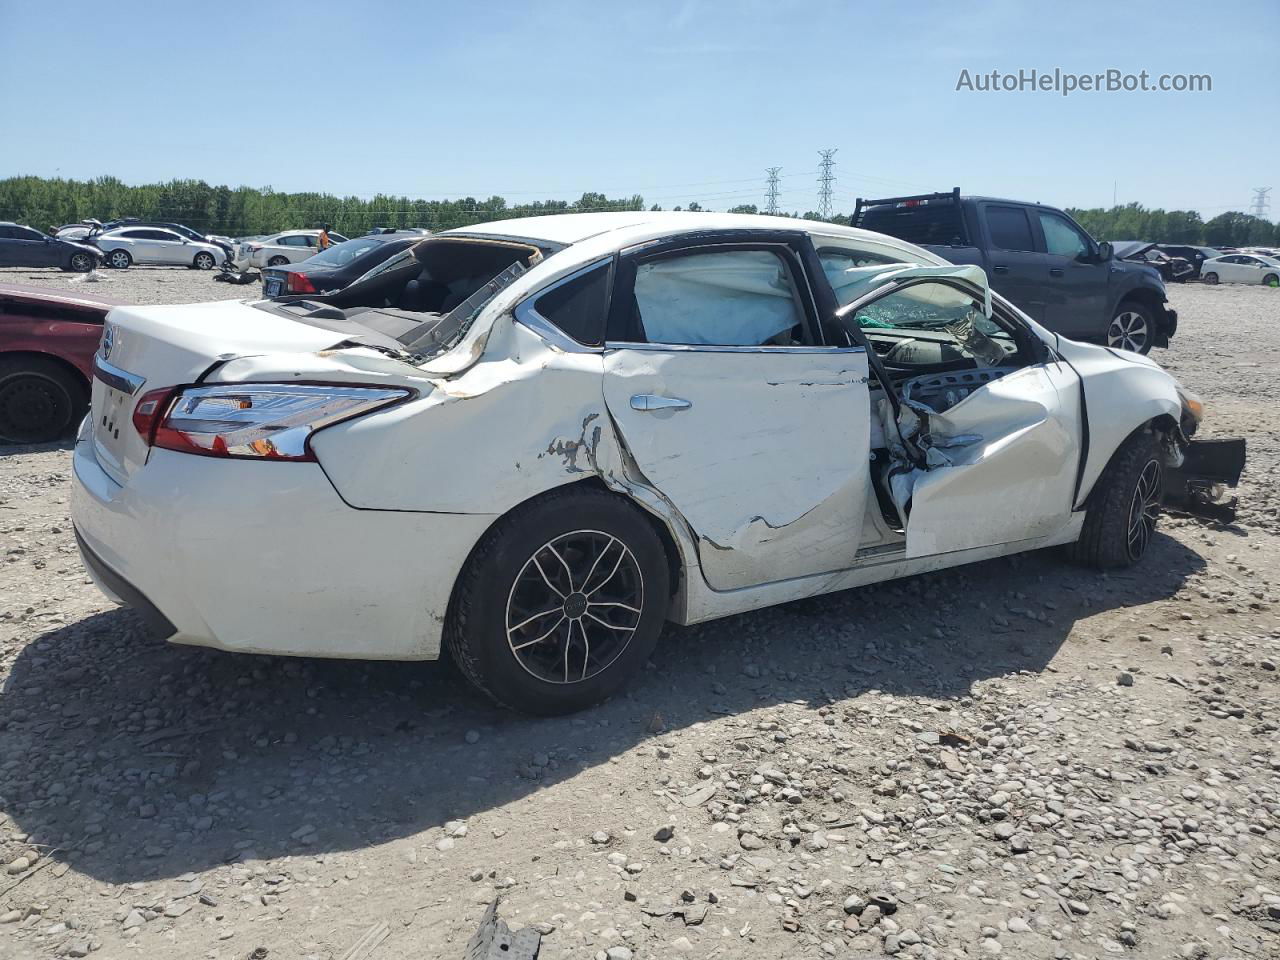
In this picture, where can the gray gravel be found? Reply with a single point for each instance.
(948, 767)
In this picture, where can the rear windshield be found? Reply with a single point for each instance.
(935, 222)
(340, 254)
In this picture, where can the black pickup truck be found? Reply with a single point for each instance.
(1040, 259)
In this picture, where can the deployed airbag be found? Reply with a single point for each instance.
(735, 298)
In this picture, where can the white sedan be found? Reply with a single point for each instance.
(535, 441)
(126, 246)
(291, 246)
(1241, 268)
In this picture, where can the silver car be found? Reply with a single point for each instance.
(125, 246)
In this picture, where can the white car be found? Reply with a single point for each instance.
(291, 246)
(1241, 268)
(126, 246)
(536, 440)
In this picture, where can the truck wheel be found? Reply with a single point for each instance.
(560, 603)
(1124, 506)
(1210, 278)
(1132, 328)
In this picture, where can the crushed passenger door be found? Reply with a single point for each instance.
(763, 451)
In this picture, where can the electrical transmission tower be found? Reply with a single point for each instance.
(824, 183)
(771, 191)
(1261, 203)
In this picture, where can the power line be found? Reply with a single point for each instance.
(824, 183)
(1261, 203)
(771, 194)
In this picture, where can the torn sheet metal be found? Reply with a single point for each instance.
(494, 940)
(852, 283)
(997, 467)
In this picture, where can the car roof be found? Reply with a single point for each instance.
(570, 228)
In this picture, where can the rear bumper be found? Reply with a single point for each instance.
(266, 558)
(122, 591)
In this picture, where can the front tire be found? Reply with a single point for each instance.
(80, 263)
(119, 259)
(1210, 278)
(1124, 506)
(560, 602)
(39, 400)
(1133, 328)
(1271, 280)
(204, 261)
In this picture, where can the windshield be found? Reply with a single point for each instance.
(340, 254)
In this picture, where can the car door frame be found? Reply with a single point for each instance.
(1029, 267)
(811, 530)
(1080, 318)
(1062, 381)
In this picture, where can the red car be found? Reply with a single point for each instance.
(47, 343)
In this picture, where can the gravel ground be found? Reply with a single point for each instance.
(1019, 757)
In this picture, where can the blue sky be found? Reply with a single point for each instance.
(677, 100)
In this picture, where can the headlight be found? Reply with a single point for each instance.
(1192, 406)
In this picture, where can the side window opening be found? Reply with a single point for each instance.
(935, 327)
(579, 307)
(726, 298)
(850, 272)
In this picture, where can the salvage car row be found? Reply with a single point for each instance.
(666, 417)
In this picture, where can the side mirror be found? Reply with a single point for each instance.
(1105, 251)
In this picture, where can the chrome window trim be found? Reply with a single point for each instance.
(113, 376)
(727, 348)
(526, 312)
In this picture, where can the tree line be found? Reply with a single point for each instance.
(43, 202)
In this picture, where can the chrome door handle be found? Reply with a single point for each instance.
(651, 401)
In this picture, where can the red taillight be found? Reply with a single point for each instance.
(269, 421)
(150, 411)
(300, 283)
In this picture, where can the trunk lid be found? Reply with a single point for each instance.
(149, 348)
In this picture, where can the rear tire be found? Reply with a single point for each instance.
(119, 259)
(1210, 278)
(520, 624)
(277, 261)
(1123, 508)
(39, 399)
(204, 261)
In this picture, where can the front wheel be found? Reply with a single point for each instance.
(560, 603)
(80, 263)
(119, 259)
(1124, 506)
(204, 261)
(1210, 278)
(1132, 328)
(1271, 280)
